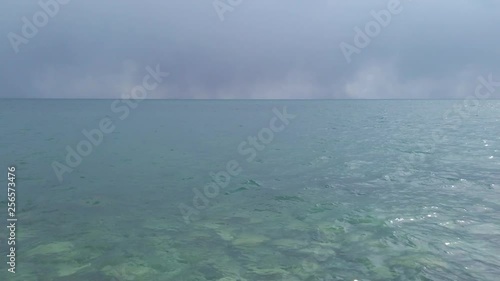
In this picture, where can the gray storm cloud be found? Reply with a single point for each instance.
(249, 48)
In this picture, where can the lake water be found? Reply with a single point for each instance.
(306, 190)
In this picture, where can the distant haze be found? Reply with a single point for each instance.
(249, 48)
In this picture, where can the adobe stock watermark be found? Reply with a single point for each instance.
(453, 119)
(363, 37)
(120, 107)
(30, 28)
(223, 6)
(320, 259)
(249, 149)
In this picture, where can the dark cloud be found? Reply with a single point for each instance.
(262, 49)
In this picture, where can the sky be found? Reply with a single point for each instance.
(249, 49)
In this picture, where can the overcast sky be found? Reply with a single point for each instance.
(261, 48)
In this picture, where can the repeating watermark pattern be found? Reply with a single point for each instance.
(30, 28)
(363, 37)
(453, 119)
(223, 6)
(94, 137)
(248, 149)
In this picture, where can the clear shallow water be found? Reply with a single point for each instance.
(336, 195)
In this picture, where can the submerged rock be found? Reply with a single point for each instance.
(52, 248)
(249, 240)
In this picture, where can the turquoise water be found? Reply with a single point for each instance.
(345, 190)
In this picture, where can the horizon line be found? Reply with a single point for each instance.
(247, 99)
